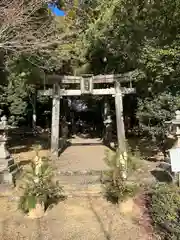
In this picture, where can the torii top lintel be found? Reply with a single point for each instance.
(125, 77)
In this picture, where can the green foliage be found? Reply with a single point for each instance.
(154, 112)
(17, 95)
(133, 160)
(39, 188)
(116, 189)
(115, 34)
(142, 35)
(119, 191)
(158, 92)
(108, 37)
(164, 209)
(159, 86)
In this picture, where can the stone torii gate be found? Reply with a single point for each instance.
(91, 85)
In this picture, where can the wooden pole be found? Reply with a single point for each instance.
(122, 161)
(55, 122)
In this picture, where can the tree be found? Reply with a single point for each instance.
(28, 26)
(144, 35)
(159, 85)
(34, 43)
(103, 37)
(113, 37)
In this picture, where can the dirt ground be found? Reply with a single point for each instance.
(88, 157)
(73, 219)
(88, 154)
(29, 155)
(84, 218)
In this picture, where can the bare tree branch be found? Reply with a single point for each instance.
(26, 25)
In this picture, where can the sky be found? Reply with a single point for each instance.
(55, 10)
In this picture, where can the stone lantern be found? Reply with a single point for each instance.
(8, 168)
(108, 129)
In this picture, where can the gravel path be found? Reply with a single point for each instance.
(73, 219)
(84, 154)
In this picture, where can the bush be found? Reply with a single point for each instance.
(116, 189)
(133, 161)
(39, 188)
(164, 208)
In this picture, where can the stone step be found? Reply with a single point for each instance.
(80, 183)
(76, 190)
(89, 183)
(78, 179)
(81, 172)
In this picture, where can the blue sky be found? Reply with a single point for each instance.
(55, 10)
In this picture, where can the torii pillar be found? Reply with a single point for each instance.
(55, 120)
(121, 140)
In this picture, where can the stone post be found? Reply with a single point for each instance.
(106, 108)
(120, 130)
(108, 130)
(55, 122)
(34, 117)
(107, 121)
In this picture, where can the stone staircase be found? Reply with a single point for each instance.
(80, 183)
(80, 167)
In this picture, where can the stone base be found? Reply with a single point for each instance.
(8, 177)
(8, 171)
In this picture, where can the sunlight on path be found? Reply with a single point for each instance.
(83, 154)
(74, 219)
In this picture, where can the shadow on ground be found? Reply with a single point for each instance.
(107, 233)
(23, 140)
(162, 175)
(147, 148)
